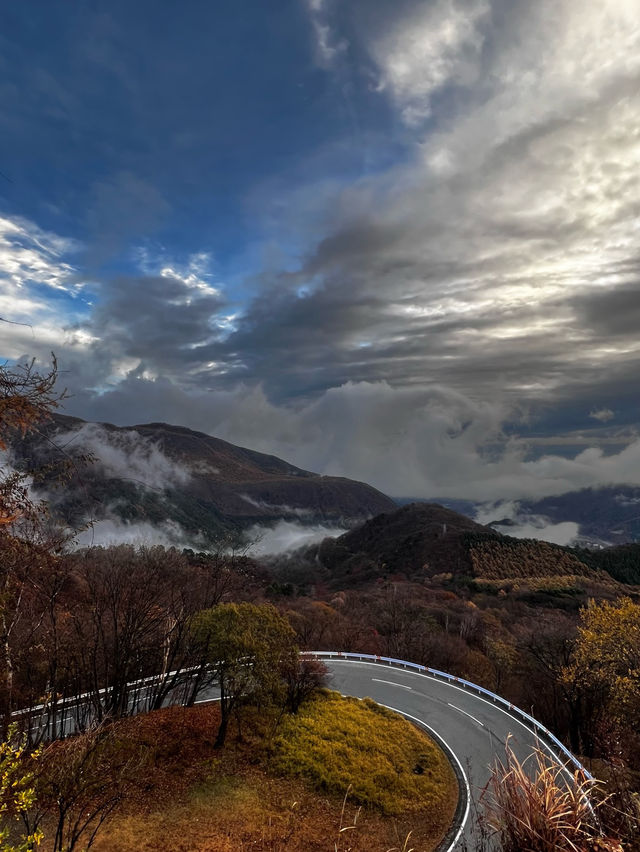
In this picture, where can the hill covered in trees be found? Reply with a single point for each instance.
(423, 541)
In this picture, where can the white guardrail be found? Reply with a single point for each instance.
(534, 725)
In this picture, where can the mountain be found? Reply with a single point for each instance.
(157, 473)
(417, 539)
(605, 516)
(609, 515)
(421, 541)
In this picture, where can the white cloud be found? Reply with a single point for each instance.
(113, 531)
(604, 415)
(126, 455)
(30, 255)
(280, 508)
(33, 261)
(417, 443)
(564, 533)
(526, 526)
(285, 536)
(407, 442)
(329, 47)
(438, 45)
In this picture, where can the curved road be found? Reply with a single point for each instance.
(474, 729)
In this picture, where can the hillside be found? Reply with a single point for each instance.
(621, 562)
(424, 540)
(418, 539)
(266, 793)
(157, 473)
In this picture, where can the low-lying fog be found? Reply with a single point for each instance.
(522, 525)
(286, 536)
(260, 540)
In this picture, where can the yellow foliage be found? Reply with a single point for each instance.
(607, 653)
(341, 744)
(17, 793)
(502, 559)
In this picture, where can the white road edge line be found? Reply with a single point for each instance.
(391, 683)
(460, 710)
(438, 736)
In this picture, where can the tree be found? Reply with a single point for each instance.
(302, 676)
(562, 697)
(27, 397)
(247, 647)
(607, 655)
(81, 781)
(17, 793)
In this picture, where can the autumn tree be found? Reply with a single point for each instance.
(27, 397)
(247, 646)
(607, 654)
(17, 794)
(80, 782)
(122, 626)
(553, 684)
(302, 677)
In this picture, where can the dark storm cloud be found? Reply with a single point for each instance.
(612, 312)
(158, 323)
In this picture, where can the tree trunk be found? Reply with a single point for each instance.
(222, 731)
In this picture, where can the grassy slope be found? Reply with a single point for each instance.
(339, 743)
(247, 796)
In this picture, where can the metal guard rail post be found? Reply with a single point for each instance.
(516, 712)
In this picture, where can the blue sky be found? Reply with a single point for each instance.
(181, 109)
(392, 240)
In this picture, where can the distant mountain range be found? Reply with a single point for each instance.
(204, 490)
(157, 473)
(605, 516)
(608, 515)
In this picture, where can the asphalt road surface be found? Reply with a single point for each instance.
(474, 729)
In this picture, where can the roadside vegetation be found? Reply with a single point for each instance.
(160, 782)
(340, 744)
(536, 805)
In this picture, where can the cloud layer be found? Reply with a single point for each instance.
(446, 321)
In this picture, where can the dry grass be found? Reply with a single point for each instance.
(198, 799)
(250, 816)
(535, 808)
(341, 744)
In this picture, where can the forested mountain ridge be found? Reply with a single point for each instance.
(156, 472)
(426, 540)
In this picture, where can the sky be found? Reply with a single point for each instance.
(396, 240)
